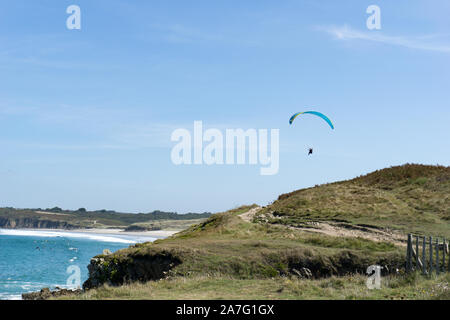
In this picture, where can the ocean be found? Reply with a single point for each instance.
(33, 259)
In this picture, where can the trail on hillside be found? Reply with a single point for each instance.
(248, 216)
(340, 229)
(352, 231)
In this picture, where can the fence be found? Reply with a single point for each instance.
(429, 255)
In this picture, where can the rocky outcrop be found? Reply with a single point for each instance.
(116, 270)
(25, 223)
(46, 293)
(343, 263)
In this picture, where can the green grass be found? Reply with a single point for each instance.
(222, 287)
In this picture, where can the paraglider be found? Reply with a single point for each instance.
(321, 115)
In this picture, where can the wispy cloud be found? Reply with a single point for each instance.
(431, 42)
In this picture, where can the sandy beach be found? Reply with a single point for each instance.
(107, 235)
(155, 233)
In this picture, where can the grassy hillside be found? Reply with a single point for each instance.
(409, 198)
(309, 243)
(227, 246)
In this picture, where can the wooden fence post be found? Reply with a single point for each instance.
(443, 255)
(409, 253)
(424, 257)
(437, 256)
(417, 252)
(448, 269)
(431, 255)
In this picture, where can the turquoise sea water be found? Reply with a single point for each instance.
(32, 260)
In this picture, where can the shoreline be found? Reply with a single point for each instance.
(154, 233)
(159, 234)
(115, 235)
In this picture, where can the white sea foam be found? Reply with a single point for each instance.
(68, 234)
(8, 296)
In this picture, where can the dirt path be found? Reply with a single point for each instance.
(352, 231)
(248, 216)
(342, 230)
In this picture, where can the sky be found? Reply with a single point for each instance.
(86, 116)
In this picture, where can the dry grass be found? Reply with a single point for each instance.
(223, 287)
(410, 198)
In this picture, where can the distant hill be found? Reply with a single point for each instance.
(57, 218)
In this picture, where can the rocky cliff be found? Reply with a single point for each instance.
(17, 223)
(117, 269)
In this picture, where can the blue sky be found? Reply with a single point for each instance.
(86, 115)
